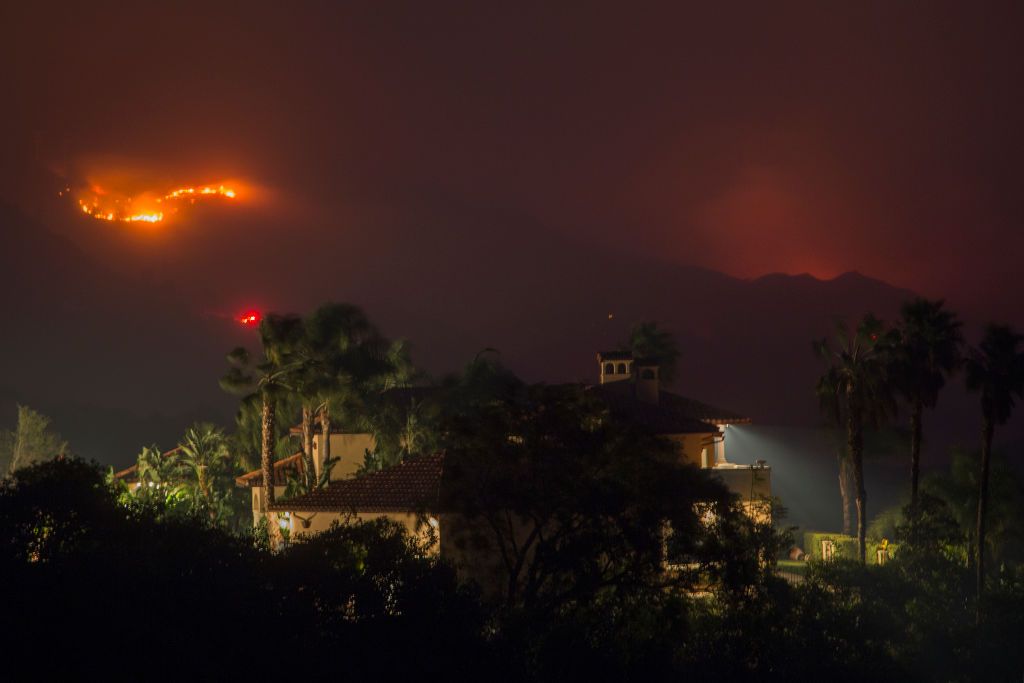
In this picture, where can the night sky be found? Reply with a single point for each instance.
(452, 167)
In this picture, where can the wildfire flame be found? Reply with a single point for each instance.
(101, 206)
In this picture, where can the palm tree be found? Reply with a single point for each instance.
(996, 370)
(649, 342)
(855, 385)
(157, 469)
(204, 451)
(927, 351)
(269, 381)
(349, 357)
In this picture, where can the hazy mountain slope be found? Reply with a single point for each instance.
(85, 339)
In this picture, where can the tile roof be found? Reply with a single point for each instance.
(673, 414)
(701, 411)
(254, 479)
(413, 485)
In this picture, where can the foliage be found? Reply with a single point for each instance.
(404, 422)
(927, 350)
(647, 341)
(958, 490)
(573, 507)
(856, 388)
(370, 598)
(246, 439)
(846, 547)
(885, 523)
(31, 441)
(71, 554)
(203, 452)
(995, 369)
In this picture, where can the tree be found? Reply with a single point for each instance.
(856, 385)
(349, 358)
(246, 441)
(650, 343)
(203, 452)
(995, 369)
(266, 380)
(30, 442)
(958, 488)
(566, 508)
(158, 473)
(927, 351)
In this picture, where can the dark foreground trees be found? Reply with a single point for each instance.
(95, 589)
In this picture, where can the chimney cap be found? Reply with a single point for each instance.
(614, 355)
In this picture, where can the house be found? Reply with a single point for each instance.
(408, 491)
(632, 389)
(291, 466)
(348, 449)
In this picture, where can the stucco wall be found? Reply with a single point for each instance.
(350, 448)
(695, 449)
(257, 502)
(301, 523)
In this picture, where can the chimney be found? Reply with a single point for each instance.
(647, 388)
(614, 366)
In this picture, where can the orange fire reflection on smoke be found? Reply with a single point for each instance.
(146, 207)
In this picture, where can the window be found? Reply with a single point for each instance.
(828, 549)
(622, 369)
(609, 368)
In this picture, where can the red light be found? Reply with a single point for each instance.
(249, 318)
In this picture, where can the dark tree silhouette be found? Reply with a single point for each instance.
(856, 386)
(927, 352)
(995, 369)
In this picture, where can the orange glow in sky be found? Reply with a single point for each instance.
(146, 207)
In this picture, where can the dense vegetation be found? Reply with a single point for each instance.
(625, 564)
(128, 590)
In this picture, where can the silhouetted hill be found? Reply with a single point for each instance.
(115, 363)
(101, 349)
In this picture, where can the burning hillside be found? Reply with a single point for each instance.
(145, 207)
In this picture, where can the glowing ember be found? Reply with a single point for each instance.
(250, 318)
(147, 208)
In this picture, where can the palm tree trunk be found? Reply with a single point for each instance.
(204, 484)
(915, 451)
(267, 451)
(307, 446)
(855, 437)
(325, 435)
(987, 430)
(844, 490)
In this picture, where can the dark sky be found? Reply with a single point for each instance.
(485, 174)
(747, 138)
